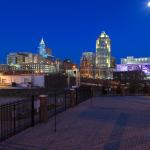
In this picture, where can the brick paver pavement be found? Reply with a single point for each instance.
(109, 123)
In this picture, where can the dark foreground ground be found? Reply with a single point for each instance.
(105, 123)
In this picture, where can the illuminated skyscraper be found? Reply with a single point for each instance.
(103, 51)
(103, 68)
(90, 56)
(42, 49)
(87, 64)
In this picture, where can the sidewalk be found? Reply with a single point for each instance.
(109, 123)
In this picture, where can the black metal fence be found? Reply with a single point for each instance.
(15, 117)
(119, 91)
(66, 99)
(18, 116)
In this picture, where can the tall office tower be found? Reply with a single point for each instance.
(90, 56)
(44, 51)
(103, 51)
(42, 48)
(103, 67)
(87, 64)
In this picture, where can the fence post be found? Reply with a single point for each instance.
(76, 96)
(32, 111)
(91, 94)
(73, 98)
(1, 120)
(65, 101)
(55, 111)
(43, 108)
(14, 119)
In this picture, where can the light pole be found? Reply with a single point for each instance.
(68, 79)
(77, 77)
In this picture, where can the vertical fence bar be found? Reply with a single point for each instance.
(76, 96)
(32, 111)
(7, 121)
(55, 111)
(1, 120)
(69, 98)
(11, 120)
(65, 101)
(4, 121)
(14, 119)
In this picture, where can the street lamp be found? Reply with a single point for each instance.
(148, 4)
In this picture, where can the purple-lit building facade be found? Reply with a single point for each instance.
(134, 67)
(134, 64)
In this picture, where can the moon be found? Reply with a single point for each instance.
(148, 4)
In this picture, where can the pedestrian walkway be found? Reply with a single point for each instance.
(103, 123)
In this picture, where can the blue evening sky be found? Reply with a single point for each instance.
(70, 27)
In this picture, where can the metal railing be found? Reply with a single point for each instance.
(15, 117)
(18, 116)
(100, 91)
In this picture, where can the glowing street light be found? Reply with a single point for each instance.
(148, 4)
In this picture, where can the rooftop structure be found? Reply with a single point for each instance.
(132, 60)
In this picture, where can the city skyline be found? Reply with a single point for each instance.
(70, 28)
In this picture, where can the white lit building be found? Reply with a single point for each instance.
(19, 57)
(4, 67)
(103, 51)
(29, 62)
(103, 69)
(132, 60)
(22, 80)
(41, 68)
(135, 64)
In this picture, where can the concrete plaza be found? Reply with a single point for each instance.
(103, 123)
